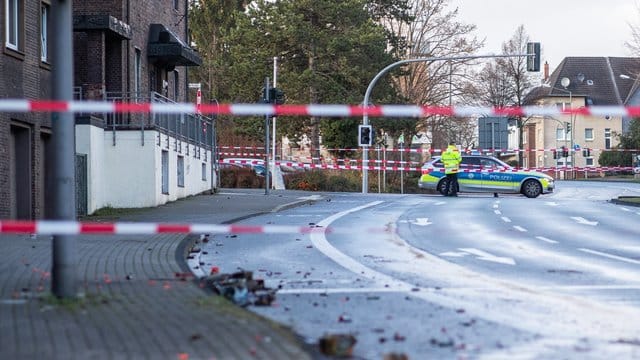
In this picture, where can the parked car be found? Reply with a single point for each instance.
(482, 173)
(257, 165)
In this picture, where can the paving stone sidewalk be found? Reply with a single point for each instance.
(133, 303)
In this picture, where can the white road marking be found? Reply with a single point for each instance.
(498, 212)
(321, 244)
(454, 254)
(421, 222)
(339, 290)
(311, 197)
(440, 203)
(483, 255)
(581, 220)
(551, 203)
(519, 228)
(625, 209)
(546, 240)
(506, 219)
(610, 256)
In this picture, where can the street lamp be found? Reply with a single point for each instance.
(365, 103)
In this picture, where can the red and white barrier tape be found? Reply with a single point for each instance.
(420, 151)
(406, 168)
(50, 227)
(333, 110)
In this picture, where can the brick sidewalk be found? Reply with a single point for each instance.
(133, 306)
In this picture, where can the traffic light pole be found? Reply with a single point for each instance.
(266, 139)
(367, 94)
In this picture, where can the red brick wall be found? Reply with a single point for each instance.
(23, 77)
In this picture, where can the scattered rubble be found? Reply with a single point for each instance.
(339, 345)
(241, 288)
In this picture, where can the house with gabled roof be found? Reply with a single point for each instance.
(579, 82)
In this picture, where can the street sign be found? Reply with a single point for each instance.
(195, 86)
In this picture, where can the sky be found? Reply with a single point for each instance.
(563, 27)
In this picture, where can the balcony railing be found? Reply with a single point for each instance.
(194, 129)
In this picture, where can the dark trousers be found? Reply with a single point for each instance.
(451, 187)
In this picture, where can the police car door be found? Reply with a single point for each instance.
(495, 178)
(469, 177)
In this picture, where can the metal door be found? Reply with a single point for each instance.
(165, 172)
(82, 188)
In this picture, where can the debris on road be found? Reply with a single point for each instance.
(340, 345)
(241, 288)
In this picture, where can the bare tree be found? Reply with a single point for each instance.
(634, 44)
(505, 81)
(435, 32)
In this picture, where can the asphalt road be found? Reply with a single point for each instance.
(467, 277)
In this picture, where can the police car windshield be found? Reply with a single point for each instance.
(477, 161)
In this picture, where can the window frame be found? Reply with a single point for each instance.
(607, 138)
(45, 16)
(14, 16)
(586, 137)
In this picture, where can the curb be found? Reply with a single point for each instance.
(621, 201)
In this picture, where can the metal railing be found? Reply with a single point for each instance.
(191, 128)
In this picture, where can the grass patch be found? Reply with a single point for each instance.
(631, 199)
(111, 213)
(81, 302)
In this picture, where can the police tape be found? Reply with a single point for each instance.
(53, 227)
(330, 110)
(431, 151)
(468, 168)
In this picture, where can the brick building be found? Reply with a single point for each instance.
(24, 137)
(124, 50)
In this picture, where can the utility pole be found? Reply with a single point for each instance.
(275, 119)
(63, 274)
(266, 138)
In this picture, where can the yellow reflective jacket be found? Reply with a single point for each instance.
(451, 159)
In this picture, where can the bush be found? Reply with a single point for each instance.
(240, 178)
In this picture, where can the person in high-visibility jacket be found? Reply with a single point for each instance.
(451, 159)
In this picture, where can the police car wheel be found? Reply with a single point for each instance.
(442, 186)
(531, 188)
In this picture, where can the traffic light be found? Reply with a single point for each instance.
(567, 126)
(555, 154)
(276, 96)
(365, 137)
(586, 152)
(533, 56)
(565, 152)
(273, 96)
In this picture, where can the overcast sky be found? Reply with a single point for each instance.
(563, 27)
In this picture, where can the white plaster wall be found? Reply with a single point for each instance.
(130, 169)
(90, 141)
(129, 174)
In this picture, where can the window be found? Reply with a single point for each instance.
(137, 73)
(607, 138)
(44, 32)
(180, 171)
(589, 161)
(175, 4)
(13, 10)
(560, 134)
(176, 85)
(588, 134)
(204, 172)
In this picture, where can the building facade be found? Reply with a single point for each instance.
(137, 51)
(579, 82)
(124, 50)
(24, 137)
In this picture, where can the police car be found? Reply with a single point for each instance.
(481, 173)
